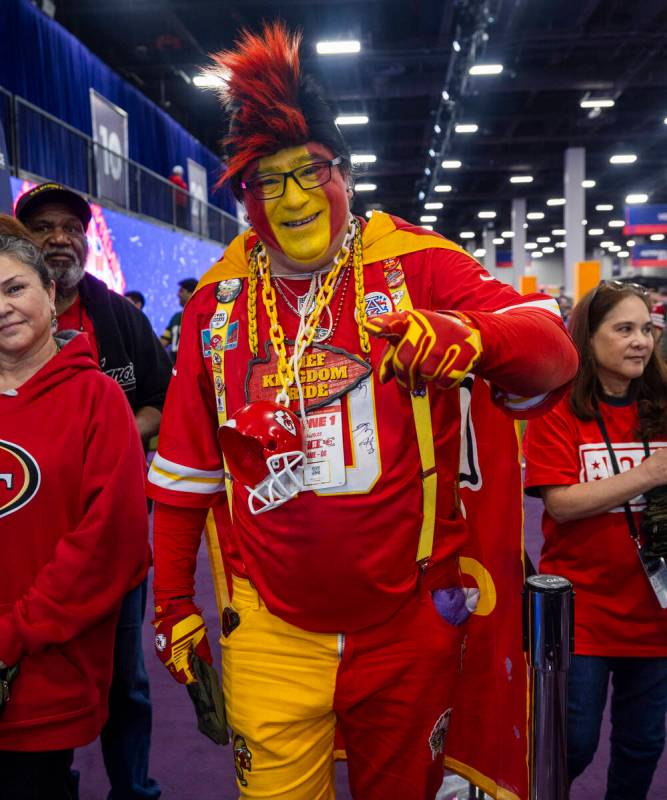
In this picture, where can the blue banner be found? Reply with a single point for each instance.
(503, 258)
(649, 255)
(6, 206)
(645, 219)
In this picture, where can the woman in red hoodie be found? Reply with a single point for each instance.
(73, 530)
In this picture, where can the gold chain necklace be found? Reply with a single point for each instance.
(260, 269)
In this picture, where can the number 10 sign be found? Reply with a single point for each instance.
(111, 149)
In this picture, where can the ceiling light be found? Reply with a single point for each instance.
(600, 102)
(450, 164)
(445, 94)
(595, 231)
(548, 250)
(442, 187)
(428, 218)
(604, 207)
(207, 81)
(466, 235)
(487, 215)
(635, 199)
(623, 254)
(558, 232)
(535, 215)
(361, 158)
(352, 119)
(521, 179)
(427, 227)
(556, 201)
(616, 223)
(421, 195)
(437, 128)
(479, 253)
(530, 246)
(498, 241)
(507, 234)
(587, 184)
(561, 244)
(466, 128)
(631, 242)
(655, 237)
(427, 171)
(623, 158)
(431, 153)
(456, 46)
(486, 69)
(543, 239)
(606, 243)
(433, 206)
(365, 187)
(336, 48)
(536, 254)
(614, 248)
(369, 213)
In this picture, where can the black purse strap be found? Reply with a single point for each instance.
(634, 533)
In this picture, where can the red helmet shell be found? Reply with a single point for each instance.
(256, 432)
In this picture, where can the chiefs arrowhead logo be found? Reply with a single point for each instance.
(19, 477)
(327, 373)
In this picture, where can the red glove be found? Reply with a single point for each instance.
(426, 346)
(179, 631)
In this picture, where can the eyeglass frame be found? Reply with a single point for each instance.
(331, 163)
(616, 286)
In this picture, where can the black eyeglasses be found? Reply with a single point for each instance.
(309, 176)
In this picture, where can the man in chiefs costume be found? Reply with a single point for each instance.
(314, 411)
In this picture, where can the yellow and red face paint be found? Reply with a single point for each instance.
(274, 220)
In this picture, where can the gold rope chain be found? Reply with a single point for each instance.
(260, 267)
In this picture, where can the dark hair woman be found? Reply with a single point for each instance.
(73, 528)
(592, 458)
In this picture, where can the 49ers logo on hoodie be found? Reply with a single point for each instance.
(19, 477)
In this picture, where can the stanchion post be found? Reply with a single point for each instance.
(548, 630)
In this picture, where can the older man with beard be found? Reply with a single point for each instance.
(129, 352)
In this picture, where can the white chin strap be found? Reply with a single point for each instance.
(284, 481)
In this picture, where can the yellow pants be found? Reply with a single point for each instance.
(292, 755)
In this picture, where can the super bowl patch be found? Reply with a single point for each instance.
(397, 296)
(232, 339)
(218, 319)
(377, 303)
(206, 342)
(438, 735)
(160, 642)
(391, 263)
(228, 290)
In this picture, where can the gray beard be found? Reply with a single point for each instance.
(68, 281)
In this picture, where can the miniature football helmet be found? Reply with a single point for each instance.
(263, 445)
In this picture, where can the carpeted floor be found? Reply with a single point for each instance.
(190, 767)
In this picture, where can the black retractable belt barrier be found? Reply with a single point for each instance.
(548, 636)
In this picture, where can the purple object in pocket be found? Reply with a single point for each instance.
(455, 605)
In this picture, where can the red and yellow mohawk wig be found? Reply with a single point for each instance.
(271, 103)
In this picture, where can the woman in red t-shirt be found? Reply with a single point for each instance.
(592, 458)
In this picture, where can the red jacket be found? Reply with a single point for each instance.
(74, 535)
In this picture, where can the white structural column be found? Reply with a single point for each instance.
(490, 251)
(519, 255)
(574, 169)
